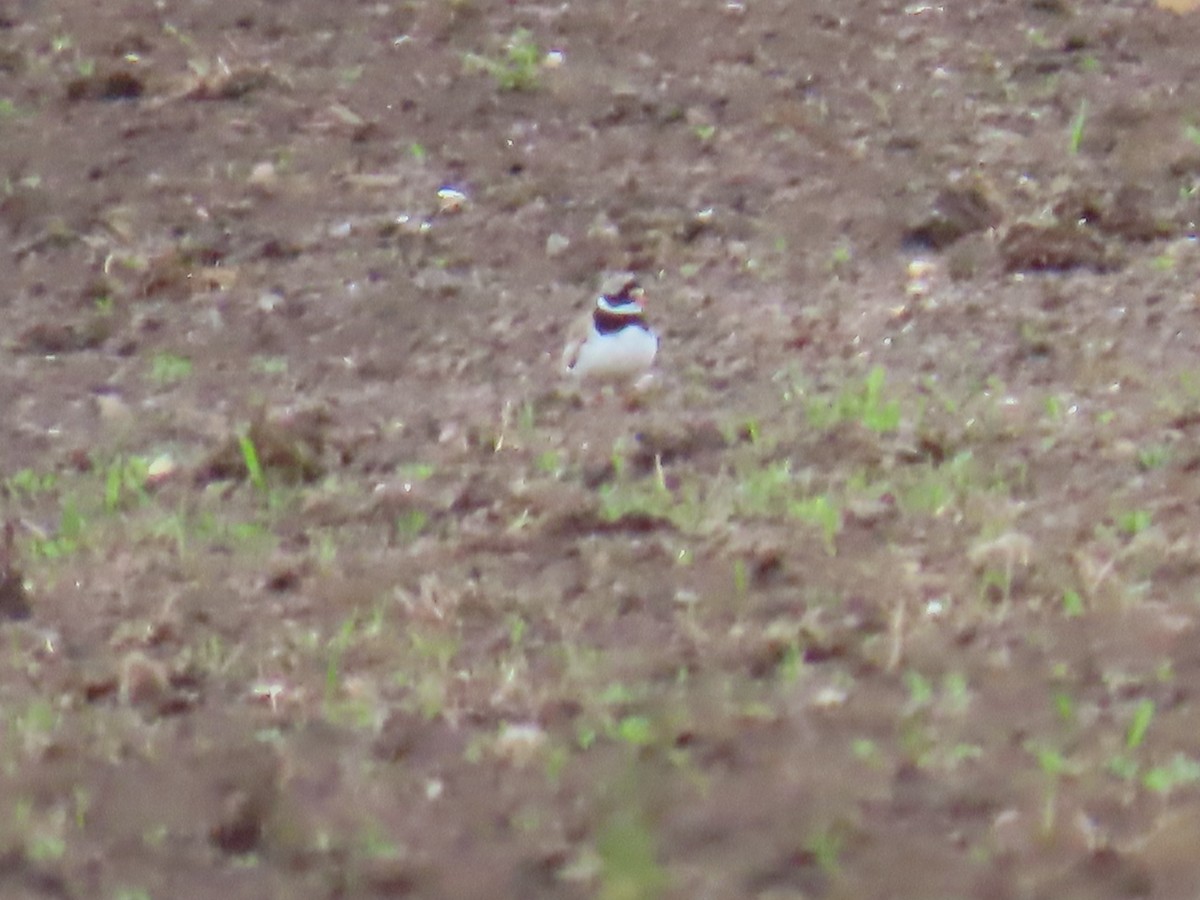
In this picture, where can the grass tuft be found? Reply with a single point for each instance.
(518, 68)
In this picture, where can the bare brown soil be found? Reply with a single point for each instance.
(323, 582)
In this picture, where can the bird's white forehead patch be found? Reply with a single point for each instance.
(629, 307)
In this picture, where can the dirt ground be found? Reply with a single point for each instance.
(322, 581)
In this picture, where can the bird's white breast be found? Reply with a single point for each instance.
(627, 353)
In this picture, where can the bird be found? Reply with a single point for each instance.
(619, 347)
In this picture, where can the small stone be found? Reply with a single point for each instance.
(957, 210)
(519, 744)
(263, 176)
(113, 410)
(161, 468)
(451, 200)
(830, 697)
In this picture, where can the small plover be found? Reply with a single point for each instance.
(619, 347)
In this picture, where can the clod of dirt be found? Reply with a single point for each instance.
(762, 654)
(229, 83)
(1130, 211)
(397, 737)
(239, 827)
(291, 445)
(478, 492)
(49, 338)
(106, 86)
(182, 273)
(406, 735)
(765, 554)
(392, 500)
(1057, 246)
(626, 523)
(248, 779)
(597, 473)
(286, 573)
(670, 443)
(25, 208)
(97, 684)
(14, 602)
(141, 681)
(956, 211)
